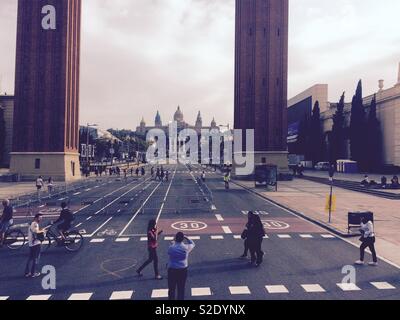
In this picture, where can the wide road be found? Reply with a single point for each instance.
(302, 261)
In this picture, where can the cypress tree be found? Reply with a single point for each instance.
(316, 138)
(374, 138)
(338, 149)
(358, 129)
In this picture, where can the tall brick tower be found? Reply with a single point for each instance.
(261, 72)
(46, 124)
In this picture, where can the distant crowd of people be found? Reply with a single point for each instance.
(159, 174)
(384, 184)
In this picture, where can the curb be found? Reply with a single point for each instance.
(302, 215)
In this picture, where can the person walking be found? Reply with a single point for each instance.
(227, 178)
(178, 264)
(143, 171)
(152, 245)
(256, 234)
(6, 220)
(203, 176)
(35, 236)
(167, 175)
(367, 241)
(39, 185)
(245, 235)
(50, 185)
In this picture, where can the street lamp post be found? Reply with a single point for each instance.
(87, 145)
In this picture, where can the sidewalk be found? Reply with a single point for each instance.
(309, 199)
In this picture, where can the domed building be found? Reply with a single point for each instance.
(180, 120)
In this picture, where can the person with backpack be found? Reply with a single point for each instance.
(245, 235)
(256, 234)
(35, 238)
(367, 241)
(152, 245)
(64, 222)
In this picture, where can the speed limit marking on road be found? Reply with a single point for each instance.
(189, 226)
(275, 225)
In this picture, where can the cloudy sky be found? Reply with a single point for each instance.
(142, 55)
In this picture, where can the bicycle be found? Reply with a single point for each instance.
(14, 238)
(73, 240)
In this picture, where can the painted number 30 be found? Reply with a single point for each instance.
(189, 226)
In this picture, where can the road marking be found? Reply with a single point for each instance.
(227, 230)
(201, 292)
(194, 238)
(39, 298)
(217, 237)
(4, 298)
(80, 296)
(237, 237)
(284, 236)
(87, 190)
(18, 243)
(165, 197)
(348, 287)
(61, 199)
(239, 290)
(78, 225)
(97, 240)
(76, 193)
(306, 236)
(99, 228)
(383, 285)
(312, 288)
(219, 217)
(328, 236)
(121, 295)
(213, 208)
(89, 218)
(159, 293)
(138, 211)
(143, 239)
(122, 240)
(277, 289)
(169, 238)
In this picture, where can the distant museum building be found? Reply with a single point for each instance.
(143, 129)
(388, 113)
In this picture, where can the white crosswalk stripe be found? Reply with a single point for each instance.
(39, 298)
(383, 285)
(306, 236)
(348, 287)
(201, 292)
(227, 230)
(122, 240)
(328, 236)
(284, 236)
(217, 237)
(121, 295)
(159, 293)
(4, 298)
(80, 296)
(277, 289)
(239, 290)
(97, 240)
(313, 288)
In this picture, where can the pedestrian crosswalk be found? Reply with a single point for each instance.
(270, 290)
(217, 237)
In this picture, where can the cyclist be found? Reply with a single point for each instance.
(6, 220)
(227, 179)
(65, 220)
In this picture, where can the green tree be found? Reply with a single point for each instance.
(315, 143)
(358, 129)
(338, 147)
(2, 135)
(374, 138)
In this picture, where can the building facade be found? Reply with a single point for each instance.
(46, 113)
(388, 113)
(261, 73)
(179, 118)
(7, 109)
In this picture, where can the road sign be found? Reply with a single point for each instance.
(275, 225)
(330, 206)
(187, 226)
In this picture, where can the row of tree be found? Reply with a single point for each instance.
(2, 136)
(363, 134)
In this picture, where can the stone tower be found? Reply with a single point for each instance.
(46, 115)
(261, 73)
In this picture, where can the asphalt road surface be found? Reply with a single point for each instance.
(302, 261)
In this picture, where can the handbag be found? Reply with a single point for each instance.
(244, 235)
